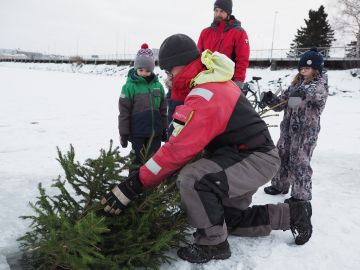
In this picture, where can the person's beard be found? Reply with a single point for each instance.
(218, 19)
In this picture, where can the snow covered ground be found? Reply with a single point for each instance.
(46, 105)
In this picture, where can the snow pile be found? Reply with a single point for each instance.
(107, 70)
(41, 110)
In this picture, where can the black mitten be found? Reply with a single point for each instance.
(265, 99)
(124, 140)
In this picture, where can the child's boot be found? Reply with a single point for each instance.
(300, 221)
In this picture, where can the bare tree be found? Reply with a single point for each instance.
(347, 19)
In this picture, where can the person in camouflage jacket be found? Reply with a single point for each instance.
(303, 103)
(142, 106)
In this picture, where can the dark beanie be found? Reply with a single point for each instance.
(225, 5)
(312, 58)
(144, 58)
(177, 50)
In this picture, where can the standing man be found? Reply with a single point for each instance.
(216, 190)
(226, 36)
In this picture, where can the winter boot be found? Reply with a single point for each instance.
(195, 253)
(273, 191)
(292, 199)
(300, 221)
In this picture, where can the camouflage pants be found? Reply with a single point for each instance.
(295, 169)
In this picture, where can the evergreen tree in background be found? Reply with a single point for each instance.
(70, 230)
(316, 33)
(347, 20)
(352, 50)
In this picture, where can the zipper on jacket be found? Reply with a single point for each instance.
(221, 40)
(152, 112)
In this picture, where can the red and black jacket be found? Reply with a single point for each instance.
(214, 115)
(229, 38)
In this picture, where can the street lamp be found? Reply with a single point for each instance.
(117, 45)
(273, 34)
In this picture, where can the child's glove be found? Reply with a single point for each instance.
(124, 140)
(265, 99)
(296, 99)
(299, 93)
(116, 200)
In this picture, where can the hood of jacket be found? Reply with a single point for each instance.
(134, 78)
(210, 67)
(231, 23)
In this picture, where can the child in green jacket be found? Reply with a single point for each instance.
(142, 106)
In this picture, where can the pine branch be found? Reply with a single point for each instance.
(71, 231)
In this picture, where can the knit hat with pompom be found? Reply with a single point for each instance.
(145, 58)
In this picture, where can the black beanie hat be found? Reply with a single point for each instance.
(225, 5)
(312, 58)
(177, 50)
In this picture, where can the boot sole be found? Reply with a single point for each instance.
(223, 256)
(303, 241)
(278, 193)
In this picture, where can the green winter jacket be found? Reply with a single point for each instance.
(142, 107)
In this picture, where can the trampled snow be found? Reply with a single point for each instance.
(46, 105)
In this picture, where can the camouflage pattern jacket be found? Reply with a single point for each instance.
(302, 105)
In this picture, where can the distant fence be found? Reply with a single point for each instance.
(344, 52)
(69, 59)
(335, 58)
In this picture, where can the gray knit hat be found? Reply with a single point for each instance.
(177, 50)
(225, 5)
(145, 58)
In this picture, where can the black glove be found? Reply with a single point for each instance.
(265, 99)
(299, 93)
(124, 140)
(116, 200)
(244, 87)
(164, 135)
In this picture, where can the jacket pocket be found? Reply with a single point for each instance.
(181, 117)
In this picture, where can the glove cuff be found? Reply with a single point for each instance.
(129, 189)
(120, 196)
(134, 184)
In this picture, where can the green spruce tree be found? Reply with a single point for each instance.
(352, 50)
(70, 230)
(316, 33)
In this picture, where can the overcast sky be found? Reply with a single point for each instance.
(120, 26)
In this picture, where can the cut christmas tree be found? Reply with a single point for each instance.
(70, 230)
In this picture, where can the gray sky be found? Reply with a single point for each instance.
(110, 26)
